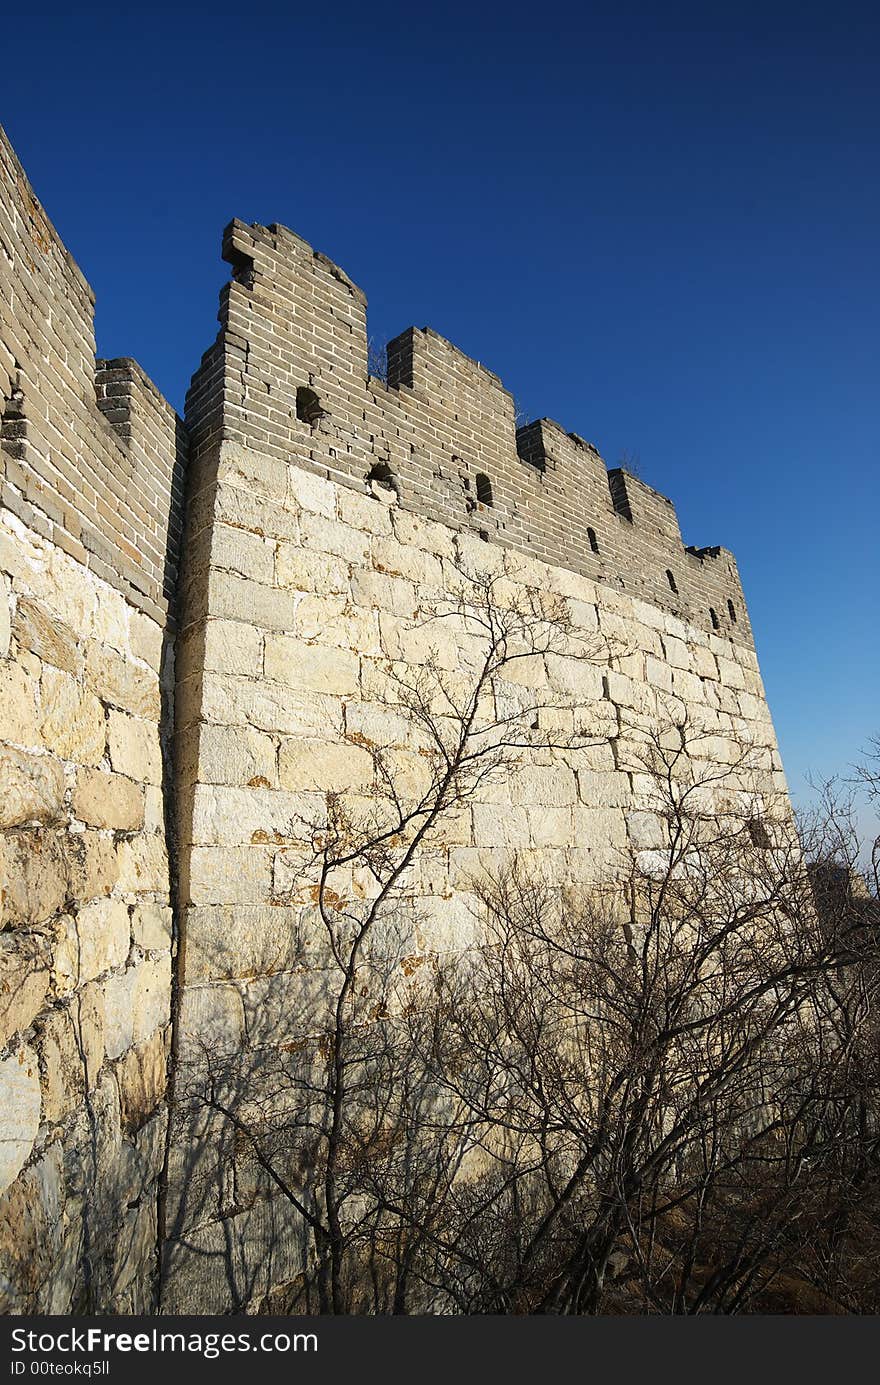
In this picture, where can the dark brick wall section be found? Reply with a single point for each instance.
(91, 455)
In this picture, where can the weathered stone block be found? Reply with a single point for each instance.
(238, 755)
(314, 494)
(119, 681)
(72, 722)
(93, 864)
(241, 941)
(305, 570)
(146, 639)
(18, 708)
(237, 550)
(5, 618)
(377, 591)
(134, 745)
(37, 629)
(252, 470)
(34, 877)
(152, 996)
(104, 935)
(108, 800)
(142, 1078)
(270, 707)
(363, 512)
(237, 598)
(223, 815)
(20, 1104)
(151, 926)
(233, 646)
(330, 767)
(32, 788)
(143, 864)
(109, 621)
(554, 785)
(286, 1005)
(228, 875)
(329, 536)
(24, 980)
(63, 1066)
(311, 667)
(334, 620)
(211, 1016)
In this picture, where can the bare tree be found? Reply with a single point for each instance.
(655, 1094)
(350, 1125)
(678, 1084)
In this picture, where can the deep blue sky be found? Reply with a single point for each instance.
(659, 223)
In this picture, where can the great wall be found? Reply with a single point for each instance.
(197, 619)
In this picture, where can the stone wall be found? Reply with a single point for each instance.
(91, 459)
(312, 596)
(329, 516)
(164, 733)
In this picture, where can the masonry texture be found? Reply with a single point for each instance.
(193, 701)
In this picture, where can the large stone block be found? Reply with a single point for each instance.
(396, 559)
(211, 1021)
(237, 598)
(108, 800)
(380, 592)
(251, 470)
(239, 755)
(553, 785)
(238, 550)
(334, 620)
(228, 875)
(152, 997)
(20, 1103)
(18, 706)
(329, 767)
(287, 1006)
(270, 706)
(314, 494)
(311, 667)
(242, 940)
(223, 815)
(63, 1068)
(104, 936)
(305, 570)
(142, 1077)
(143, 864)
(5, 616)
(72, 720)
(135, 750)
(329, 536)
(37, 629)
(122, 683)
(25, 961)
(151, 926)
(233, 646)
(364, 512)
(34, 877)
(32, 788)
(93, 863)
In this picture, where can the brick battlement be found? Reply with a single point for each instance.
(441, 426)
(91, 455)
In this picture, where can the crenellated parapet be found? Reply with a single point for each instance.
(91, 455)
(288, 376)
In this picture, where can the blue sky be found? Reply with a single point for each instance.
(659, 223)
